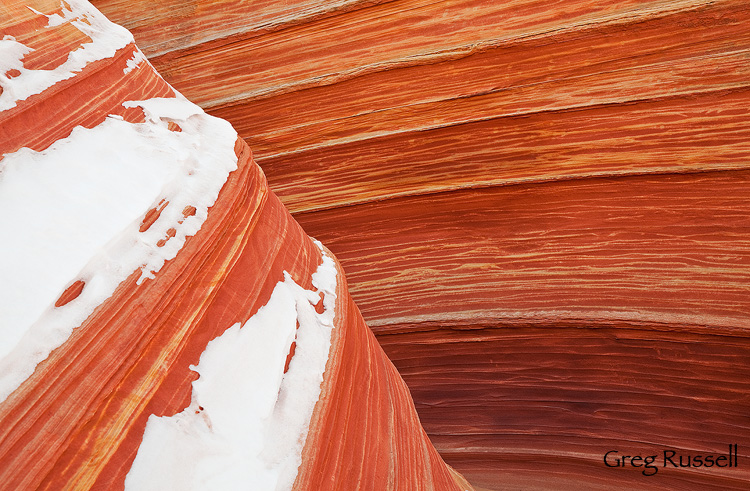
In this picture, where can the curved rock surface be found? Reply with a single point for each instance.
(78, 420)
(542, 208)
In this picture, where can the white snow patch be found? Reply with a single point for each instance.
(248, 421)
(11, 54)
(73, 211)
(106, 39)
(57, 19)
(135, 61)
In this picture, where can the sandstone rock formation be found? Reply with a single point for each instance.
(542, 208)
(79, 386)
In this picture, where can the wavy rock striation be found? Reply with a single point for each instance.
(190, 268)
(542, 208)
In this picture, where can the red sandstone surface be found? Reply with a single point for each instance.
(77, 422)
(542, 208)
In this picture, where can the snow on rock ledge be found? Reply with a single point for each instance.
(54, 234)
(248, 420)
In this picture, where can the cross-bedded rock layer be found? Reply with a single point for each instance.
(78, 420)
(542, 207)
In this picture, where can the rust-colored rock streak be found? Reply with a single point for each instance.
(539, 326)
(356, 372)
(77, 422)
(542, 208)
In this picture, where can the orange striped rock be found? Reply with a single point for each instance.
(78, 420)
(541, 208)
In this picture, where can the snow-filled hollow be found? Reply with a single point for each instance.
(73, 212)
(248, 421)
